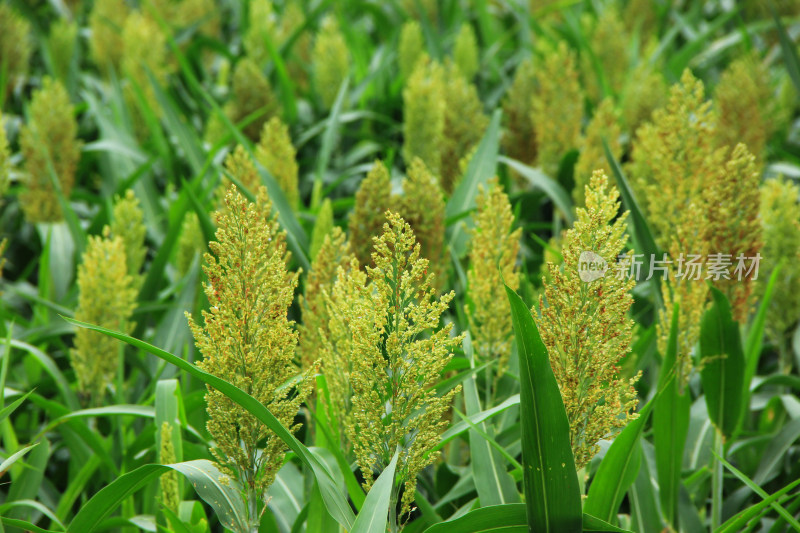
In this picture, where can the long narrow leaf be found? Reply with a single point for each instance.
(552, 495)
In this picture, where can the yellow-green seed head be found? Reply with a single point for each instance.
(743, 101)
(145, 50)
(170, 494)
(251, 93)
(780, 223)
(465, 51)
(604, 125)
(422, 207)
(464, 125)
(492, 262)
(424, 111)
(240, 166)
(556, 108)
(263, 26)
(585, 324)
(398, 353)
(276, 153)
(15, 46)
(519, 140)
(127, 223)
(372, 200)
(609, 41)
(190, 243)
(106, 297)
(330, 61)
(247, 339)
(106, 22)
(411, 48)
(645, 92)
(732, 204)
(61, 46)
(51, 150)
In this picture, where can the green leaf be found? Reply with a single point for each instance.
(670, 427)
(508, 518)
(460, 427)
(724, 366)
(737, 522)
(539, 180)
(334, 500)
(639, 228)
(373, 515)
(789, 50)
(761, 492)
(552, 495)
(492, 481)
(592, 523)
(14, 457)
(226, 500)
(332, 125)
(482, 167)
(618, 469)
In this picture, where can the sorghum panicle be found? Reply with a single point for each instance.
(145, 46)
(644, 92)
(465, 51)
(335, 253)
(492, 262)
(422, 206)
(106, 297)
(585, 325)
(49, 143)
(276, 153)
(609, 42)
(519, 140)
(732, 203)
(604, 125)
(61, 44)
(170, 494)
(372, 200)
(106, 22)
(330, 61)
(190, 243)
(15, 45)
(411, 48)
(556, 108)
(424, 111)
(464, 125)
(248, 341)
(780, 224)
(399, 351)
(127, 223)
(262, 25)
(745, 105)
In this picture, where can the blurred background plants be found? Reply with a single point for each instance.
(397, 386)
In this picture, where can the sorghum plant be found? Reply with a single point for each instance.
(557, 107)
(411, 48)
(51, 149)
(780, 224)
(322, 227)
(106, 297)
(248, 341)
(424, 115)
(585, 324)
(519, 141)
(603, 125)
(15, 46)
(372, 200)
(106, 46)
(492, 261)
(330, 61)
(398, 353)
(127, 223)
(465, 51)
(276, 153)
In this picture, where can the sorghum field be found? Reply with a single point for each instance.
(441, 266)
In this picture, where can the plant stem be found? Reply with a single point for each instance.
(716, 482)
(393, 527)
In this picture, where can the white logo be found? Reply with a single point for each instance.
(591, 266)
